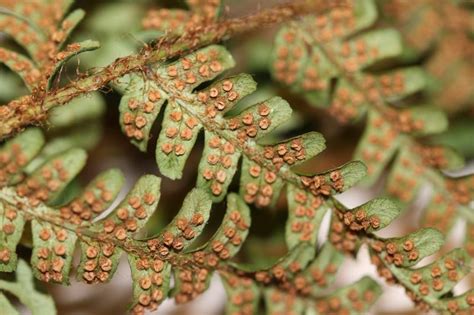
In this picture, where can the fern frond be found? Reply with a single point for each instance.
(166, 49)
(438, 31)
(298, 282)
(310, 53)
(176, 21)
(23, 287)
(42, 28)
(56, 228)
(266, 167)
(430, 286)
(341, 52)
(43, 38)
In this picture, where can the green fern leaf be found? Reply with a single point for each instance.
(311, 52)
(24, 289)
(43, 40)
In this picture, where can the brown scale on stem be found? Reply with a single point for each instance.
(40, 102)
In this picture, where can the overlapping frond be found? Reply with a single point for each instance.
(56, 228)
(176, 21)
(57, 225)
(23, 288)
(41, 27)
(298, 283)
(230, 135)
(311, 53)
(445, 26)
(336, 47)
(429, 286)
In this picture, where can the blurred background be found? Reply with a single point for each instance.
(118, 27)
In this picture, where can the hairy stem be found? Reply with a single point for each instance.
(133, 247)
(33, 108)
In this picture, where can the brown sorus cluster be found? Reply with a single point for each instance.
(221, 164)
(251, 123)
(323, 186)
(376, 260)
(176, 237)
(49, 179)
(434, 156)
(461, 190)
(243, 295)
(380, 141)
(219, 98)
(178, 21)
(288, 278)
(150, 282)
(347, 103)
(192, 284)
(405, 178)
(358, 220)
(10, 219)
(288, 153)
(357, 302)
(128, 216)
(341, 237)
(289, 61)
(91, 203)
(437, 216)
(346, 226)
(52, 253)
(139, 114)
(11, 162)
(397, 253)
(403, 121)
(285, 153)
(99, 264)
(470, 240)
(319, 274)
(306, 206)
(324, 28)
(221, 247)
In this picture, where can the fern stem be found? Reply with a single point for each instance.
(381, 106)
(179, 261)
(32, 109)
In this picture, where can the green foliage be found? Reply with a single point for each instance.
(266, 167)
(309, 53)
(339, 48)
(340, 60)
(432, 282)
(24, 289)
(434, 31)
(395, 257)
(56, 230)
(43, 41)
